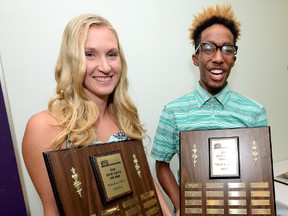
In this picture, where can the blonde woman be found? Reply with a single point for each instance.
(91, 104)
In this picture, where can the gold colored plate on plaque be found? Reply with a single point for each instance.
(133, 211)
(193, 185)
(150, 203)
(147, 195)
(260, 193)
(237, 185)
(236, 193)
(237, 202)
(130, 202)
(152, 211)
(214, 211)
(193, 202)
(214, 185)
(214, 202)
(238, 211)
(261, 211)
(214, 193)
(259, 185)
(193, 210)
(260, 202)
(110, 211)
(193, 193)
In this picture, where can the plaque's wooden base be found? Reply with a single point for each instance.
(249, 193)
(78, 192)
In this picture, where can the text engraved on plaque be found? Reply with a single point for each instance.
(214, 193)
(193, 193)
(193, 202)
(214, 211)
(238, 211)
(193, 210)
(260, 193)
(260, 202)
(111, 173)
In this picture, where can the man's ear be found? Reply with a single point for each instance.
(195, 59)
(234, 61)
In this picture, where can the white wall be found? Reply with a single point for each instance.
(154, 36)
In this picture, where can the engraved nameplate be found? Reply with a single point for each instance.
(260, 193)
(110, 211)
(214, 185)
(261, 211)
(236, 193)
(259, 185)
(193, 193)
(152, 211)
(260, 202)
(237, 202)
(214, 202)
(111, 175)
(150, 203)
(193, 202)
(133, 211)
(130, 202)
(193, 210)
(193, 185)
(147, 195)
(214, 193)
(237, 211)
(236, 185)
(214, 211)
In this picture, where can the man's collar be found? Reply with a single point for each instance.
(202, 96)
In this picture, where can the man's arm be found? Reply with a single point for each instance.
(168, 182)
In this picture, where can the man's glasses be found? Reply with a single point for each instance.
(209, 49)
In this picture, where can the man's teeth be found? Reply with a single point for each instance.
(103, 79)
(216, 71)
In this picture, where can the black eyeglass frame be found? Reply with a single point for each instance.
(217, 47)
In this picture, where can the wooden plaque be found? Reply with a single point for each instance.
(103, 180)
(227, 172)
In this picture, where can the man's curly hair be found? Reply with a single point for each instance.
(221, 14)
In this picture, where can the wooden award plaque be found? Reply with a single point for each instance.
(103, 180)
(226, 172)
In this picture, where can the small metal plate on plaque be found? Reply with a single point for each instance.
(238, 211)
(214, 193)
(130, 202)
(214, 202)
(238, 202)
(259, 185)
(214, 185)
(261, 211)
(236, 193)
(193, 193)
(110, 211)
(193, 185)
(193, 210)
(193, 202)
(153, 211)
(110, 175)
(260, 193)
(260, 202)
(214, 211)
(133, 211)
(236, 185)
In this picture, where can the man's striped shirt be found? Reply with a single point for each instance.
(200, 110)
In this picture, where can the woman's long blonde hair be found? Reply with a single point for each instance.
(71, 106)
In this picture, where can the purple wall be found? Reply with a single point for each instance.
(11, 196)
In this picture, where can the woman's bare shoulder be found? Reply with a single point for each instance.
(42, 118)
(41, 128)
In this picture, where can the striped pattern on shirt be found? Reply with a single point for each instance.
(199, 110)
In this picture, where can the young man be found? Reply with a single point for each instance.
(212, 105)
